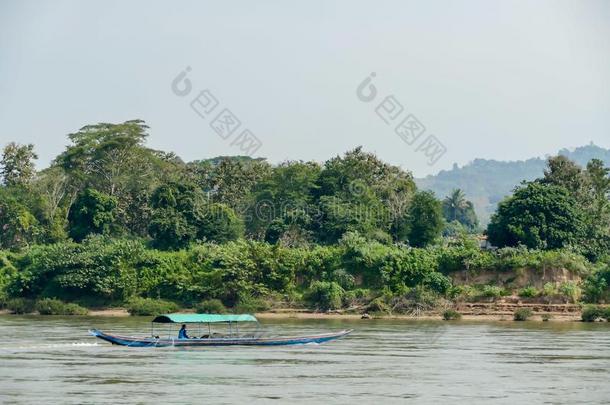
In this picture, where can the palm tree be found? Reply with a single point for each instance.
(454, 204)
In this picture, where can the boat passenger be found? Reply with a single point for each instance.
(182, 333)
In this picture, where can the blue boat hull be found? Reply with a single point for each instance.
(243, 341)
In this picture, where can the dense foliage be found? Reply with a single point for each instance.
(538, 216)
(113, 222)
(569, 206)
(246, 274)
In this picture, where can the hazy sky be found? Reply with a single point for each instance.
(492, 79)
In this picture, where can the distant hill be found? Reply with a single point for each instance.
(486, 182)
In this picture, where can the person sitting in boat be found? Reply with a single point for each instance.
(182, 333)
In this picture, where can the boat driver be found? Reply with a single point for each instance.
(182, 333)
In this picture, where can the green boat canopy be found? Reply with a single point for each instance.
(203, 318)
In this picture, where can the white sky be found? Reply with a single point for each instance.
(490, 79)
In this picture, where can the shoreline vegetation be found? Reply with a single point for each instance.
(474, 311)
(279, 314)
(113, 223)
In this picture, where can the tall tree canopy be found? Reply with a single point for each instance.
(18, 226)
(178, 211)
(457, 208)
(92, 212)
(282, 205)
(107, 181)
(539, 216)
(425, 219)
(590, 188)
(220, 224)
(563, 172)
(359, 192)
(17, 164)
(112, 159)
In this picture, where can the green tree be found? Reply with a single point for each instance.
(425, 219)
(539, 216)
(169, 229)
(598, 210)
(598, 180)
(54, 187)
(590, 190)
(346, 176)
(17, 164)
(178, 211)
(563, 172)
(367, 216)
(282, 204)
(359, 192)
(232, 179)
(220, 224)
(457, 208)
(113, 159)
(93, 212)
(18, 226)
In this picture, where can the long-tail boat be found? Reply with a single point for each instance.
(232, 337)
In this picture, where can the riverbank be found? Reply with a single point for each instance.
(554, 317)
(469, 312)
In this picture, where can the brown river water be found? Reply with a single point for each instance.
(53, 360)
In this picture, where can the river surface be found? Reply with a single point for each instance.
(52, 360)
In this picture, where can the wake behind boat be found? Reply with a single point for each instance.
(232, 337)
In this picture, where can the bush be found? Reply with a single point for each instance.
(343, 278)
(149, 306)
(513, 258)
(51, 306)
(213, 306)
(592, 313)
(359, 296)
(549, 290)
(462, 292)
(101, 271)
(248, 304)
(595, 288)
(522, 314)
(528, 292)
(493, 291)
(378, 305)
(437, 282)
(415, 300)
(451, 315)
(325, 295)
(571, 291)
(21, 306)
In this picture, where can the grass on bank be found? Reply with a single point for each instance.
(522, 314)
(45, 306)
(451, 315)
